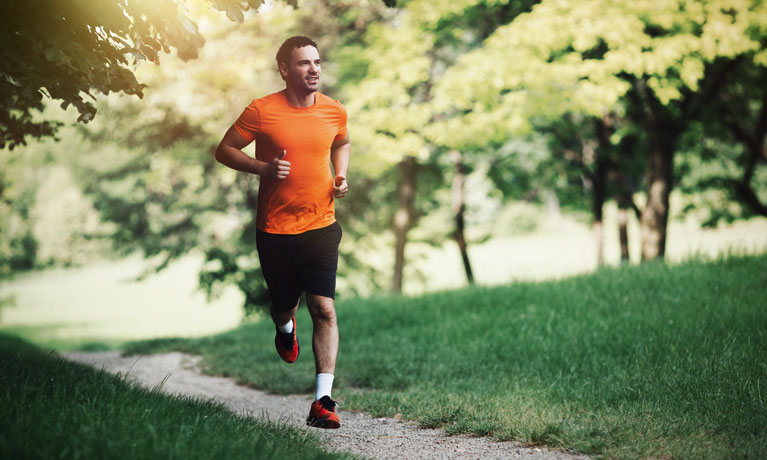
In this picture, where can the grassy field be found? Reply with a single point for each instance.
(562, 247)
(652, 361)
(52, 408)
(105, 305)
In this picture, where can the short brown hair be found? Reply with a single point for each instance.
(287, 47)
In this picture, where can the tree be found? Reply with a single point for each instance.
(656, 63)
(575, 162)
(388, 110)
(69, 51)
(732, 159)
(392, 106)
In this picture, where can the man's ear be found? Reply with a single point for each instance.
(283, 70)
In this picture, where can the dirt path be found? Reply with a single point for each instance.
(361, 434)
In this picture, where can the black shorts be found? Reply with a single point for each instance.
(293, 264)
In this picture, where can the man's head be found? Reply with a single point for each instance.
(298, 61)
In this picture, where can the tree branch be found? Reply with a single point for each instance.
(748, 196)
(692, 105)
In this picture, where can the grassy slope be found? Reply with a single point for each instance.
(648, 361)
(51, 408)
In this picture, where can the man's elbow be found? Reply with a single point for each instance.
(220, 154)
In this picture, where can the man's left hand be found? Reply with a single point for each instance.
(340, 187)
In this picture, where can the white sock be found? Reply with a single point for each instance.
(324, 385)
(286, 328)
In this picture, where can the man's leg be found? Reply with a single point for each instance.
(317, 270)
(325, 336)
(325, 344)
(275, 254)
(317, 265)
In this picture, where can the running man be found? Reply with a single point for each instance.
(299, 132)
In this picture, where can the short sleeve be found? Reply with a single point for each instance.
(342, 129)
(249, 123)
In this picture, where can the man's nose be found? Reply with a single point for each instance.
(314, 68)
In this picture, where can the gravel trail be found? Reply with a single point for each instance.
(361, 434)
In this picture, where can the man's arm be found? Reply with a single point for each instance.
(340, 153)
(229, 152)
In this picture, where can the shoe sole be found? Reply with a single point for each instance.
(323, 423)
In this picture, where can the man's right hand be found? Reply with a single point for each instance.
(278, 168)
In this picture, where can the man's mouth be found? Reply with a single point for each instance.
(313, 79)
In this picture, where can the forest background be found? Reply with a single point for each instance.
(551, 136)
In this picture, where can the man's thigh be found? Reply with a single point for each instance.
(316, 261)
(275, 253)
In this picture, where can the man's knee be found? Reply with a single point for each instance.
(322, 308)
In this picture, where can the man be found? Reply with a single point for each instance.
(298, 132)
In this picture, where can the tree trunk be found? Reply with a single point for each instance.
(404, 216)
(623, 234)
(597, 205)
(596, 228)
(553, 208)
(459, 210)
(663, 128)
(654, 219)
(603, 127)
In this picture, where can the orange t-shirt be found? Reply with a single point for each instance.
(304, 200)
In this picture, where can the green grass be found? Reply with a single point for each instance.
(53, 408)
(636, 362)
(71, 308)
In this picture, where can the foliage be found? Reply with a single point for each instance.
(46, 218)
(18, 246)
(160, 201)
(69, 51)
(650, 67)
(156, 177)
(582, 57)
(709, 166)
(390, 108)
(519, 88)
(565, 58)
(725, 151)
(67, 228)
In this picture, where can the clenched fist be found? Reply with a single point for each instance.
(278, 168)
(340, 187)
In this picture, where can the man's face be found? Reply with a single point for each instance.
(303, 71)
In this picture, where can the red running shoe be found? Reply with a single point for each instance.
(287, 344)
(323, 414)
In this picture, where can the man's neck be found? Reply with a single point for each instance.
(299, 99)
